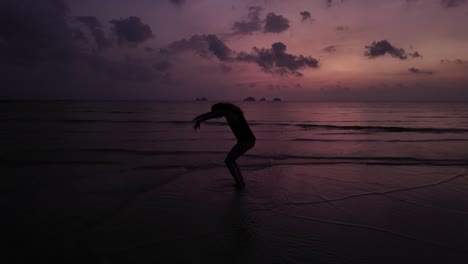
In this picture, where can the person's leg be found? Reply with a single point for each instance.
(236, 151)
(239, 174)
(234, 173)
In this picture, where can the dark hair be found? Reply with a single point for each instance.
(226, 107)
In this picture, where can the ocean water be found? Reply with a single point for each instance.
(420, 134)
(124, 181)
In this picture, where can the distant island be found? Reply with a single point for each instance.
(201, 99)
(249, 99)
(263, 99)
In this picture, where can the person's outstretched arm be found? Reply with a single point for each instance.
(210, 115)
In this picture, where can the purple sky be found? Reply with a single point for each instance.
(231, 49)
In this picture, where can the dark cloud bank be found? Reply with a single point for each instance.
(96, 31)
(46, 52)
(49, 54)
(28, 37)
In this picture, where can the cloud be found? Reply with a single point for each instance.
(204, 45)
(131, 30)
(452, 3)
(44, 55)
(443, 3)
(162, 66)
(177, 2)
(218, 48)
(271, 24)
(383, 47)
(331, 48)
(225, 68)
(253, 23)
(459, 61)
(275, 23)
(455, 61)
(277, 61)
(417, 71)
(329, 3)
(274, 60)
(79, 36)
(95, 28)
(135, 70)
(342, 28)
(91, 21)
(415, 55)
(34, 31)
(196, 43)
(305, 15)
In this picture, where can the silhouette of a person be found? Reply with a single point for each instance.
(240, 128)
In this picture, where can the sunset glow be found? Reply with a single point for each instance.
(183, 49)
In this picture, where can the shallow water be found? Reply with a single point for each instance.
(433, 134)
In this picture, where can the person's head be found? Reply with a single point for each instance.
(226, 107)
